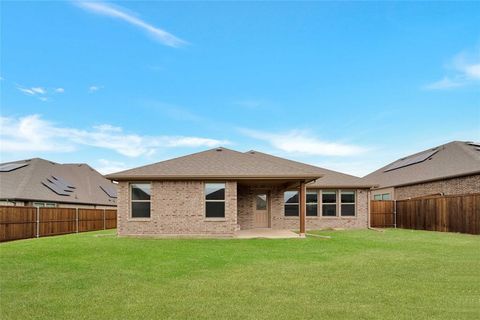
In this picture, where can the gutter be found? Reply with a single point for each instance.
(213, 177)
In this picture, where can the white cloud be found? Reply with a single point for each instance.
(445, 83)
(26, 90)
(38, 92)
(92, 89)
(117, 12)
(464, 69)
(108, 166)
(32, 133)
(301, 142)
(33, 91)
(59, 90)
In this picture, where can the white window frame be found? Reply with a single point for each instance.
(224, 199)
(354, 203)
(130, 188)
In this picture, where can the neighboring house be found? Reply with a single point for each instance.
(219, 191)
(450, 169)
(42, 183)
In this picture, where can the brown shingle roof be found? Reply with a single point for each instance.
(218, 163)
(26, 183)
(454, 159)
(222, 163)
(329, 179)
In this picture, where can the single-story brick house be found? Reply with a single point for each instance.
(449, 169)
(220, 191)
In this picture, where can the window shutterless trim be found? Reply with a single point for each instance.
(291, 204)
(354, 203)
(130, 201)
(216, 200)
(337, 209)
(316, 191)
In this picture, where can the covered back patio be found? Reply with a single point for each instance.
(260, 205)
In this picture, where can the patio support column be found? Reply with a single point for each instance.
(303, 207)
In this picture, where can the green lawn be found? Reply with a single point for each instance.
(398, 274)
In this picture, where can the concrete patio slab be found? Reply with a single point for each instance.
(265, 233)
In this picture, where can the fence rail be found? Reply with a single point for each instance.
(459, 213)
(32, 222)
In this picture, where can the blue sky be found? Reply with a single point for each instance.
(347, 86)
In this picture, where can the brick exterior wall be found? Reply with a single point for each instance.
(246, 205)
(177, 208)
(279, 221)
(462, 185)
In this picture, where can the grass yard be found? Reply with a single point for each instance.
(398, 274)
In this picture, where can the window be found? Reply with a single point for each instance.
(347, 206)
(140, 200)
(215, 200)
(312, 203)
(384, 196)
(291, 203)
(261, 201)
(329, 203)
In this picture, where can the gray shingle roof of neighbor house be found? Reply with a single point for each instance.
(454, 159)
(42, 180)
(223, 163)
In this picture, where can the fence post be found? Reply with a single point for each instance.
(38, 222)
(395, 213)
(104, 224)
(76, 219)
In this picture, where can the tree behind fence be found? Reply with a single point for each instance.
(31, 222)
(447, 213)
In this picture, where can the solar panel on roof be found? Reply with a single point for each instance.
(64, 182)
(58, 185)
(111, 192)
(7, 167)
(55, 188)
(411, 160)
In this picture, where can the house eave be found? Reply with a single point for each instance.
(210, 177)
(406, 184)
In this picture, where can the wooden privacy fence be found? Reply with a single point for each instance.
(382, 213)
(446, 213)
(31, 222)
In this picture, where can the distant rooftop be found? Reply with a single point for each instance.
(42, 180)
(454, 159)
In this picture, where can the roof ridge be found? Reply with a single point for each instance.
(171, 159)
